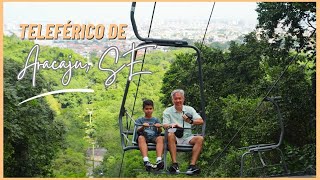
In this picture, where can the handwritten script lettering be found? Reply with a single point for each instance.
(113, 75)
(68, 65)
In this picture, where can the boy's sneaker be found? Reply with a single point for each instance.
(174, 168)
(148, 166)
(159, 165)
(193, 170)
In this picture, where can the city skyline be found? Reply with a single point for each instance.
(110, 11)
(179, 20)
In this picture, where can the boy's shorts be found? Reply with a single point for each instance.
(184, 141)
(150, 140)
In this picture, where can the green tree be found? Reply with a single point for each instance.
(70, 164)
(31, 136)
(288, 23)
(235, 81)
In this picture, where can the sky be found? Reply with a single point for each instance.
(57, 12)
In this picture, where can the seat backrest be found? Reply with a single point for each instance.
(274, 100)
(135, 135)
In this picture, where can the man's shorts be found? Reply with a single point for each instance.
(184, 141)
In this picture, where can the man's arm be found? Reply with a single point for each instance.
(167, 121)
(196, 118)
(198, 121)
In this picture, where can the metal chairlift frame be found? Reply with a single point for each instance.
(259, 148)
(123, 111)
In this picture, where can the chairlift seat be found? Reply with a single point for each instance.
(152, 146)
(262, 147)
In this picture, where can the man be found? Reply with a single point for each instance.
(175, 116)
(149, 132)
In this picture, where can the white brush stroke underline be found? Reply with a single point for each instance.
(57, 92)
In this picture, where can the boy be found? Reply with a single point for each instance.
(149, 132)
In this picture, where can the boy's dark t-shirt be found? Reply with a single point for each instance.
(150, 133)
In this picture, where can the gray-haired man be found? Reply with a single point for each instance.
(175, 116)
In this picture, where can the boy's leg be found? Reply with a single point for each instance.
(159, 146)
(144, 152)
(159, 150)
(143, 146)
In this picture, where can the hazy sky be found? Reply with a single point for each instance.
(56, 12)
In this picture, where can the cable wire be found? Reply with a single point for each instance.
(144, 55)
(205, 33)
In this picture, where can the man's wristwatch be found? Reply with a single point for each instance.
(191, 121)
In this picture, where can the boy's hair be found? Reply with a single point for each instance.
(147, 102)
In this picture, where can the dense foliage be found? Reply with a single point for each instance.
(236, 80)
(31, 135)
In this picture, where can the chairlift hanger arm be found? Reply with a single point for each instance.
(161, 42)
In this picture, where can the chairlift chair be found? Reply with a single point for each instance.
(127, 131)
(259, 148)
